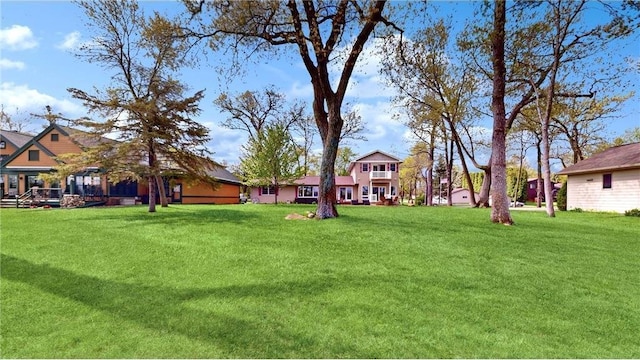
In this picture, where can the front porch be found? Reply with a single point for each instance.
(51, 197)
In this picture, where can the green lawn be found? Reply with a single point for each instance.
(378, 282)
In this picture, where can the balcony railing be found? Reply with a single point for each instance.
(380, 174)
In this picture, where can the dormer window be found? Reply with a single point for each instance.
(54, 137)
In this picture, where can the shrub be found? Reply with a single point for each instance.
(561, 197)
(632, 212)
(578, 210)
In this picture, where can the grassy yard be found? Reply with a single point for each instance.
(378, 282)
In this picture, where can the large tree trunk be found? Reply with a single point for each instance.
(152, 176)
(539, 181)
(428, 191)
(152, 193)
(500, 201)
(483, 200)
(546, 170)
(162, 194)
(449, 173)
(327, 190)
(330, 141)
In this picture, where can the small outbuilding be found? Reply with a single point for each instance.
(607, 181)
(461, 196)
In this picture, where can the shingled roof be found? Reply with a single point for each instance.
(621, 157)
(18, 139)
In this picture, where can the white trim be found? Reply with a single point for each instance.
(29, 167)
(33, 167)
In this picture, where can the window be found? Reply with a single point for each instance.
(34, 155)
(3, 145)
(345, 193)
(378, 168)
(365, 167)
(393, 191)
(307, 191)
(54, 137)
(532, 186)
(13, 181)
(33, 181)
(606, 181)
(393, 167)
(268, 190)
(365, 191)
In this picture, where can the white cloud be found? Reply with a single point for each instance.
(380, 122)
(71, 41)
(366, 81)
(225, 143)
(300, 90)
(10, 64)
(24, 99)
(17, 37)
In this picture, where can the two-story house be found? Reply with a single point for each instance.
(25, 157)
(10, 142)
(373, 179)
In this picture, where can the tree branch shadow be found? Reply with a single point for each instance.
(163, 308)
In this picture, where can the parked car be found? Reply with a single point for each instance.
(243, 198)
(516, 204)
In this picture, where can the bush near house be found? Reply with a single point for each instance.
(561, 199)
(632, 212)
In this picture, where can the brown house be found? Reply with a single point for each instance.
(25, 158)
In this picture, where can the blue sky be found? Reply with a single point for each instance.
(37, 66)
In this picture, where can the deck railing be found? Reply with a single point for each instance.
(38, 195)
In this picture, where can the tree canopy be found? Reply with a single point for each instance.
(145, 107)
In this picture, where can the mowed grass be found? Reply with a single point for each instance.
(377, 282)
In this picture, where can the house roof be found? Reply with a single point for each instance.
(224, 175)
(615, 158)
(391, 157)
(16, 138)
(315, 180)
(457, 190)
(383, 157)
(83, 138)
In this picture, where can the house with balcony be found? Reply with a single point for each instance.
(373, 179)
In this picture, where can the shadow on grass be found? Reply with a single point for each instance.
(176, 215)
(163, 309)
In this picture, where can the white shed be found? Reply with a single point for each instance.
(607, 181)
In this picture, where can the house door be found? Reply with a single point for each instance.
(13, 185)
(176, 197)
(378, 193)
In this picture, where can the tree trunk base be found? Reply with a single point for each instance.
(326, 211)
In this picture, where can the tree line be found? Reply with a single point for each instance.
(522, 64)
